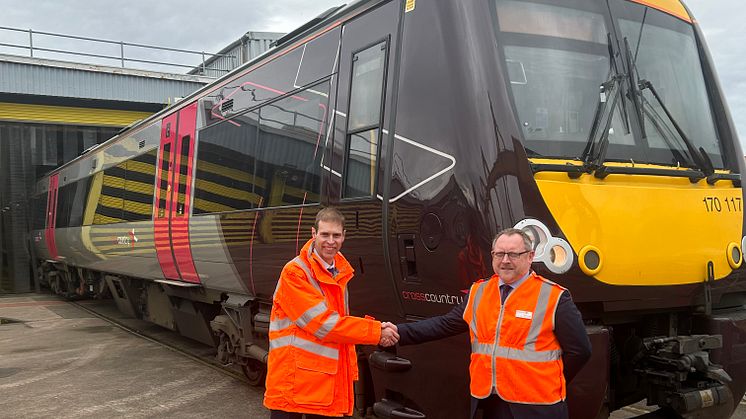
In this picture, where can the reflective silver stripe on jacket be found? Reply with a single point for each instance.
(477, 298)
(306, 345)
(279, 325)
(537, 319)
(311, 314)
(320, 333)
(309, 275)
(515, 354)
(327, 326)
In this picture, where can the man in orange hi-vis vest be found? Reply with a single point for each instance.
(527, 336)
(312, 361)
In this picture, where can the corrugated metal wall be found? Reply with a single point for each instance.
(257, 43)
(219, 66)
(40, 77)
(248, 47)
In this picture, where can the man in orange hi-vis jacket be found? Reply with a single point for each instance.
(312, 362)
(527, 337)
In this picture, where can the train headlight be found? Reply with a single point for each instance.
(555, 253)
(734, 255)
(589, 260)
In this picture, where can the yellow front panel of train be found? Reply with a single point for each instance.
(649, 230)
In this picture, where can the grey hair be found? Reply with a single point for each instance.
(511, 232)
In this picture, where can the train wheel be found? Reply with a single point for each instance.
(255, 371)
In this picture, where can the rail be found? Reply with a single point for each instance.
(122, 58)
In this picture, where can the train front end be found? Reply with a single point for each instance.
(601, 129)
(633, 152)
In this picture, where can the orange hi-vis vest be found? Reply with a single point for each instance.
(514, 352)
(312, 361)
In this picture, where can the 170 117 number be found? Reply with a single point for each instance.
(715, 204)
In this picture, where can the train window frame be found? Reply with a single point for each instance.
(63, 205)
(78, 204)
(257, 110)
(181, 176)
(385, 48)
(166, 167)
(129, 192)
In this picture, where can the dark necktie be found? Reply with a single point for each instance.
(505, 289)
(332, 270)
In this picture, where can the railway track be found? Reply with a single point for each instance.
(208, 361)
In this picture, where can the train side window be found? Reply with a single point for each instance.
(225, 176)
(267, 158)
(111, 198)
(368, 68)
(364, 120)
(79, 197)
(165, 178)
(64, 202)
(139, 186)
(361, 163)
(182, 175)
(290, 132)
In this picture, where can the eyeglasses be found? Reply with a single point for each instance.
(510, 255)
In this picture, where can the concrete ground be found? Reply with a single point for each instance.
(58, 360)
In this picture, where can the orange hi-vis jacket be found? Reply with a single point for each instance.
(312, 361)
(514, 351)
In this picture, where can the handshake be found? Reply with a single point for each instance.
(389, 334)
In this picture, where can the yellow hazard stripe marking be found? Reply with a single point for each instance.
(68, 115)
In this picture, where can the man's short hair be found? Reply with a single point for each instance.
(513, 231)
(329, 215)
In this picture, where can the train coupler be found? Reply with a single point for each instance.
(679, 375)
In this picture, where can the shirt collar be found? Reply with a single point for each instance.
(517, 283)
(323, 262)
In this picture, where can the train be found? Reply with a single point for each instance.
(599, 127)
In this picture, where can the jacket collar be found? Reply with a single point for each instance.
(318, 266)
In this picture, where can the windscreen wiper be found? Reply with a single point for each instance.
(609, 90)
(595, 146)
(636, 88)
(699, 156)
(634, 94)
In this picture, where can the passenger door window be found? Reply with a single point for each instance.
(364, 120)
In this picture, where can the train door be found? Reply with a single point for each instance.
(51, 216)
(362, 112)
(174, 177)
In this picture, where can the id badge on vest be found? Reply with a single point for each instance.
(521, 314)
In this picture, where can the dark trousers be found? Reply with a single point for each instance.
(279, 414)
(493, 407)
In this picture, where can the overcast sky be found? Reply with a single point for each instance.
(211, 25)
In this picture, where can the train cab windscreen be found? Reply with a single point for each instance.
(619, 78)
